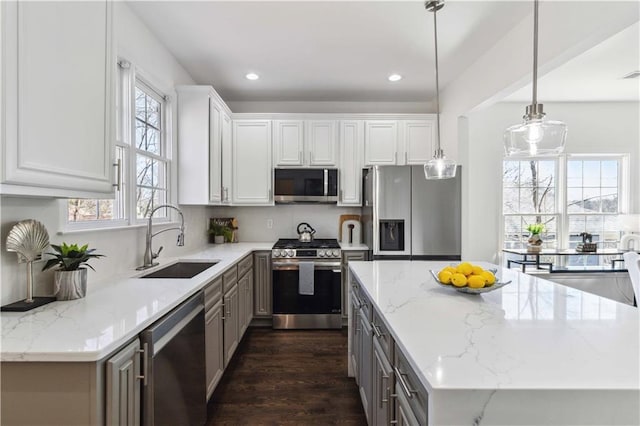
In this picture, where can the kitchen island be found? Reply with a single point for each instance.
(532, 352)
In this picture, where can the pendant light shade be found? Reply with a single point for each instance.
(439, 167)
(535, 135)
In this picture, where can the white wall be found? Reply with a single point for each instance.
(606, 128)
(123, 248)
(252, 221)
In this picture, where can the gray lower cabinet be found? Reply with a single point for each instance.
(382, 387)
(355, 333)
(123, 386)
(365, 364)
(213, 332)
(404, 414)
(262, 284)
(245, 302)
(348, 256)
(231, 324)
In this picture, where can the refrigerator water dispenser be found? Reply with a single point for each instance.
(392, 235)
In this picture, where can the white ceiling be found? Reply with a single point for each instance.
(326, 50)
(596, 75)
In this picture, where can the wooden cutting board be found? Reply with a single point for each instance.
(344, 217)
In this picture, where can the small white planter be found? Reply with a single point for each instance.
(219, 239)
(70, 285)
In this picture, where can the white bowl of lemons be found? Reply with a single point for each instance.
(468, 278)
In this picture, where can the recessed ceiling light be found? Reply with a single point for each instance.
(395, 77)
(252, 76)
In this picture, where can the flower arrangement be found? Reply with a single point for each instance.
(535, 228)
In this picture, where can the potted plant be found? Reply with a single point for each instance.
(534, 242)
(220, 232)
(70, 279)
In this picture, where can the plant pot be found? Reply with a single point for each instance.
(70, 285)
(534, 243)
(219, 239)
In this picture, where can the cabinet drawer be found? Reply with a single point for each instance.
(410, 386)
(212, 293)
(230, 278)
(381, 335)
(245, 265)
(365, 303)
(352, 256)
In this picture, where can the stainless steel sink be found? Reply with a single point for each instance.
(183, 269)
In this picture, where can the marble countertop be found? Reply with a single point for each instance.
(347, 246)
(531, 334)
(91, 328)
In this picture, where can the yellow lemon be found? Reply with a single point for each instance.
(476, 270)
(459, 280)
(464, 268)
(476, 281)
(450, 269)
(445, 276)
(489, 278)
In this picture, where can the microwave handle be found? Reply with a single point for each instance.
(326, 182)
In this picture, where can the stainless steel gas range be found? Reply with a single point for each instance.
(306, 284)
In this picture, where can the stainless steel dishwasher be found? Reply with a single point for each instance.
(174, 390)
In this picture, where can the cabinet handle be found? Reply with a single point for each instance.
(403, 384)
(386, 394)
(376, 330)
(224, 311)
(225, 190)
(118, 166)
(145, 365)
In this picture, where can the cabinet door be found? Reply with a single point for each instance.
(321, 143)
(381, 142)
(215, 153)
(418, 140)
(382, 387)
(226, 158)
(404, 414)
(365, 366)
(123, 386)
(194, 113)
(351, 154)
(262, 284)
(288, 143)
(356, 336)
(348, 256)
(252, 172)
(230, 323)
(214, 346)
(58, 95)
(245, 303)
(249, 298)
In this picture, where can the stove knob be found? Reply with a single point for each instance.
(321, 253)
(290, 253)
(276, 253)
(336, 253)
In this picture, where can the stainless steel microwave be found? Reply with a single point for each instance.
(306, 186)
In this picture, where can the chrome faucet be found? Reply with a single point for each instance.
(149, 255)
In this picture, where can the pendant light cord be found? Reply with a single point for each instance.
(435, 38)
(535, 53)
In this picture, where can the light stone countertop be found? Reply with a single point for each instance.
(530, 353)
(111, 314)
(348, 247)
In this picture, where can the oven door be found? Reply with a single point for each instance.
(289, 306)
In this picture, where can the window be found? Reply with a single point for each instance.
(529, 196)
(569, 195)
(141, 118)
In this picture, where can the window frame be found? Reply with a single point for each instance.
(128, 77)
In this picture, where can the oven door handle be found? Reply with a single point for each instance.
(291, 266)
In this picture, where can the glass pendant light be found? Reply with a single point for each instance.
(439, 167)
(535, 135)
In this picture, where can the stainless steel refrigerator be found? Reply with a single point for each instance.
(406, 216)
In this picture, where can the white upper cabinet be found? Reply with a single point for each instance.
(381, 142)
(252, 173)
(57, 93)
(299, 143)
(418, 140)
(351, 159)
(201, 129)
(288, 143)
(226, 158)
(321, 142)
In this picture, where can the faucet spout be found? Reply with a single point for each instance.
(149, 255)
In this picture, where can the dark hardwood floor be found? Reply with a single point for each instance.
(288, 377)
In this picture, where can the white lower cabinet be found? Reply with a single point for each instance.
(123, 386)
(251, 168)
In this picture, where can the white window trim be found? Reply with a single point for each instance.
(132, 74)
(562, 234)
